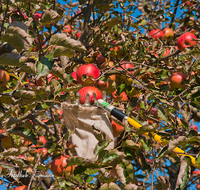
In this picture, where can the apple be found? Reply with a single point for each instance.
(37, 16)
(74, 75)
(186, 40)
(106, 64)
(154, 111)
(90, 71)
(106, 86)
(197, 172)
(187, 3)
(100, 58)
(194, 127)
(4, 78)
(58, 166)
(42, 140)
(67, 28)
(50, 76)
(23, 187)
(117, 129)
(89, 90)
(198, 186)
(177, 80)
(166, 52)
(59, 113)
(169, 34)
(124, 97)
(78, 35)
(157, 34)
(39, 82)
(126, 65)
(116, 97)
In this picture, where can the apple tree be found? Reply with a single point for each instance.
(143, 54)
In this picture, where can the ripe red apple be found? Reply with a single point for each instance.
(90, 71)
(126, 65)
(186, 40)
(166, 52)
(198, 186)
(187, 3)
(197, 172)
(177, 80)
(116, 97)
(50, 76)
(4, 78)
(117, 129)
(39, 82)
(89, 90)
(100, 58)
(58, 166)
(78, 35)
(194, 127)
(67, 28)
(42, 140)
(37, 16)
(169, 34)
(23, 187)
(74, 75)
(157, 34)
(154, 111)
(124, 97)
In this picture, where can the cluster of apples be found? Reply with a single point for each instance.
(186, 40)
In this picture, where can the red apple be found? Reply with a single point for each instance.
(124, 97)
(42, 140)
(89, 90)
(198, 186)
(186, 40)
(24, 187)
(197, 172)
(78, 35)
(177, 80)
(37, 16)
(90, 71)
(169, 34)
(50, 76)
(4, 78)
(117, 129)
(157, 34)
(116, 97)
(166, 52)
(58, 166)
(39, 82)
(195, 128)
(67, 28)
(100, 58)
(154, 111)
(74, 75)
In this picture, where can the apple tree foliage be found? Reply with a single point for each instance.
(31, 49)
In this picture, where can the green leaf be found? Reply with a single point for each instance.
(49, 17)
(143, 22)
(185, 178)
(44, 66)
(61, 39)
(197, 159)
(100, 147)
(162, 152)
(62, 51)
(130, 144)
(13, 40)
(120, 88)
(113, 22)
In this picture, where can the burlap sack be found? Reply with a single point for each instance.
(80, 119)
